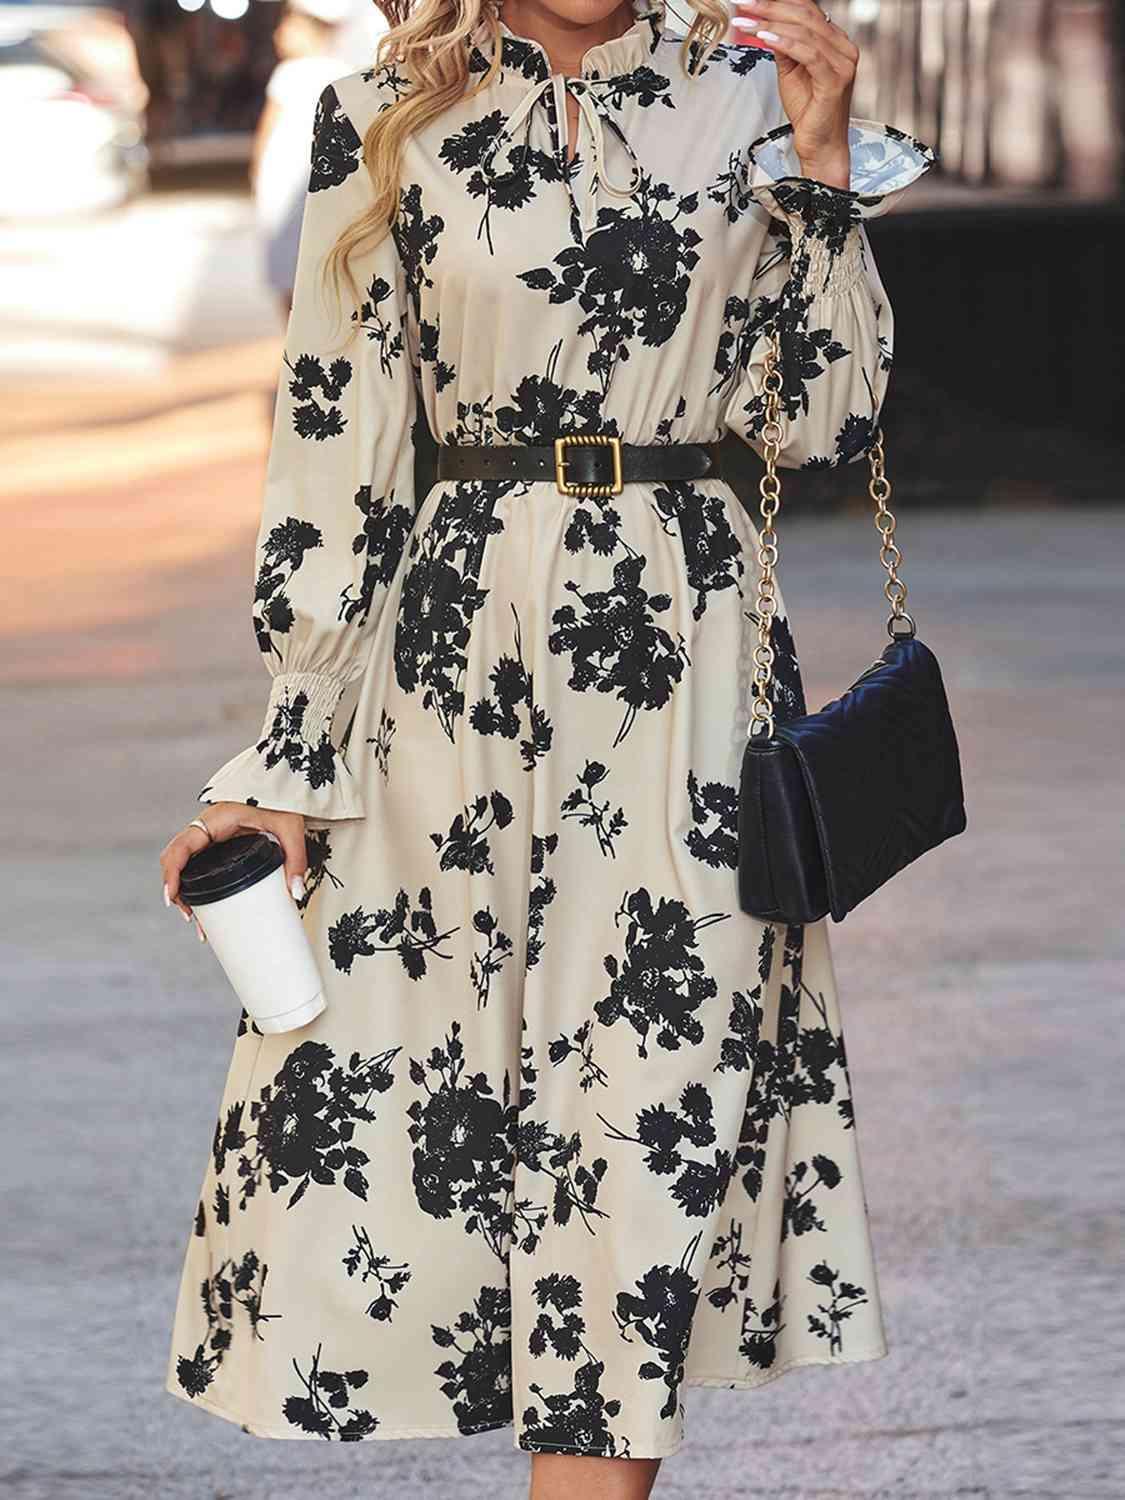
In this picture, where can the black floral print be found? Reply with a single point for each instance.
(573, 1131)
(540, 896)
(729, 189)
(800, 1207)
(734, 1262)
(318, 852)
(714, 811)
(362, 1260)
(246, 1024)
(517, 55)
(479, 1381)
(327, 1409)
(711, 550)
(240, 1283)
(631, 277)
(286, 742)
(661, 1316)
(392, 84)
(596, 525)
(382, 540)
(382, 742)
(762, 1330)
(417, 239)
(616, 645)
(539, 408)
(465, 846)
(699, 1182)
(464, 1143)
(316, 390)
(489, 959)
(645, 86)
(385, 332)
(282, 554)
(547, 1152)
(738, 59)
(406, 928)
(473, 150)
(735, 345)
(304, 1124)
(583, 805)
(576, 1420)
(843, 1299)
(580, 1045)
(740, 1047)
(440, 598)
(788, 693)
(801, 1065)
(513, 689)
(662, 980)
(429, 342)
(335, 144)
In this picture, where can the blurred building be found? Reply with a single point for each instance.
(206, 64)
(1024, 93)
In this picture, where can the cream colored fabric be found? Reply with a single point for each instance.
(574, 1131)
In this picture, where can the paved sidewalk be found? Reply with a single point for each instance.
(982, 996)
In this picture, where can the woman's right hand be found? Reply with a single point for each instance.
(224, 820)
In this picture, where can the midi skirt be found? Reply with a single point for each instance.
(574, 1131)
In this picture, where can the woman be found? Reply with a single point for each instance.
(308, 43)
(574, 1132)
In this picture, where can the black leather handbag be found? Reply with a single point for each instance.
(832, 804)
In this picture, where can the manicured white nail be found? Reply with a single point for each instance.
(167, 898)
(297, 887)
(743, 23)
(202, 935)
(770, 36)
(185, 914)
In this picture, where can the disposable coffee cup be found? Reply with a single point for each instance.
(236, 888)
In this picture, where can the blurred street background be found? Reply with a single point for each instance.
(139, 351)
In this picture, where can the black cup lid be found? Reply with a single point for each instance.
(229, 866)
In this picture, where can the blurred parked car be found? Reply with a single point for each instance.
(72, 97)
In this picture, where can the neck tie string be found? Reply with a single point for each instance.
(591, 114)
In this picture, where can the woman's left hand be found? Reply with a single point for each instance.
(816, 67)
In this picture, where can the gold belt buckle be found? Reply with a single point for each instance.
(600, 438)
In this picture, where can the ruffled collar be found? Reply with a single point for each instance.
(527, 59)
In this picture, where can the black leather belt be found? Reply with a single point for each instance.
(582, 463)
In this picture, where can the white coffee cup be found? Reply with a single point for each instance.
(237, 890)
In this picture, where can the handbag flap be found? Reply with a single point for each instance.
(882, 771)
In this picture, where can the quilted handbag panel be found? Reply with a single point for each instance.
(882, 770)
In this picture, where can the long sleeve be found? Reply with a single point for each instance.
(339, 497)
(816, 283)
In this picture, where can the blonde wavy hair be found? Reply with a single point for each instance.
(428, 44)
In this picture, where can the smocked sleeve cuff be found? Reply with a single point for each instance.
(294, 766)
(820, 217)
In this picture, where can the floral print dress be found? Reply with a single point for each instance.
(574, 1131)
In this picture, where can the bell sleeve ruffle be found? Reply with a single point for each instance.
(339, 499)
(817, 285)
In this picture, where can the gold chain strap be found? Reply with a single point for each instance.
(879, 488)
(761, 710)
